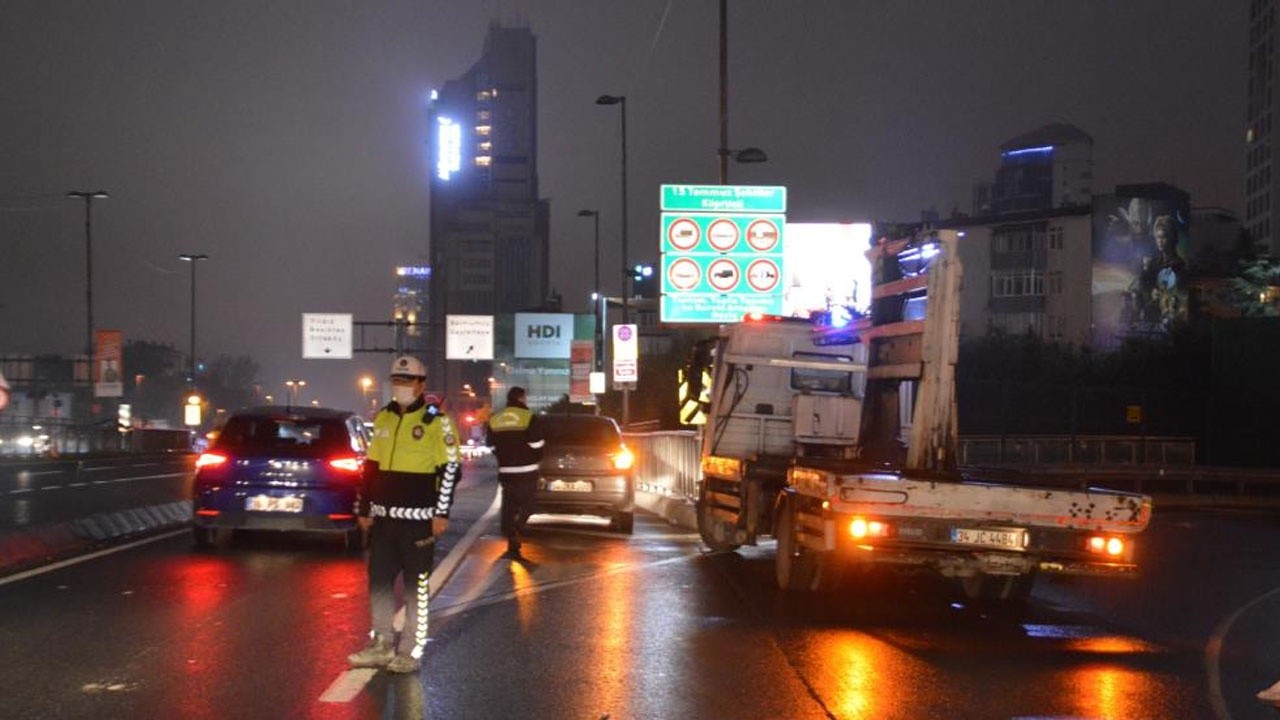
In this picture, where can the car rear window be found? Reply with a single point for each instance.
(579, 432)
(281, 435)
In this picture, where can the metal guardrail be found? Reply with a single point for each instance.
(667, 463)
(1076, 450)
(58, 437)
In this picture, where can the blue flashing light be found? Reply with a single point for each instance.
(1044, 150)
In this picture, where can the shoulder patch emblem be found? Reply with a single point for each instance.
(418, 432)
(449, 439)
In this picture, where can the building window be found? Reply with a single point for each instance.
(483, 130)
(1019, 283)
(1056, 233)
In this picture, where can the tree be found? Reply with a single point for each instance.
(228, 383)
(1250, 291)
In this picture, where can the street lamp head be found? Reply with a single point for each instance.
(745, 155)
(588, 213)
(192, 257)
(88, 194)
(610, 99)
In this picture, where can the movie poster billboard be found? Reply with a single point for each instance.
(1140, 248)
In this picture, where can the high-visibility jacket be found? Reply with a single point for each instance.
(413, 463)
(516, 438)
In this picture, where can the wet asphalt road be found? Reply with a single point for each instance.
(594, 625)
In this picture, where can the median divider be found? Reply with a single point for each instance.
(27, 547)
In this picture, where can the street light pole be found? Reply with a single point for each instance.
(595, 293)
(89, 196)
(193, 258)
(723, 155)
(294, 386)
(621, 102)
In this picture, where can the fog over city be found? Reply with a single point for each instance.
(288, 141)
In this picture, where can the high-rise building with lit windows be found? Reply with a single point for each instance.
(409, 307)
(1261, 194)
(489, 228)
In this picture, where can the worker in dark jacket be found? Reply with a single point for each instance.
(410, 475)
(517, 442)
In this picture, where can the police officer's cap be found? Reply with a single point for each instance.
(408, 366)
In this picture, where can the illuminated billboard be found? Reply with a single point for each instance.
(826, 267)
(1140, 247)
(448, 148)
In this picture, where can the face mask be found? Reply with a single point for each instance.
(403, 395)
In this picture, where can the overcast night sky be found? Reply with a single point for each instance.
(287, 140)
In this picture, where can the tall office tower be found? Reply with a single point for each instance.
(409, 306)
(489, 228)
(1260, 193)
(1047, 168)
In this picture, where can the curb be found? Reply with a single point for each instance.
(20, 549)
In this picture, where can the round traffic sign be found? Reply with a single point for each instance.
(723, 234)
(683, 274)
(762, 275)
(683, 234)
(762, 235)
(723, 274)
(622, 332)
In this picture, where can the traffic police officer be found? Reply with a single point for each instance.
(517, 442)
(409, 480)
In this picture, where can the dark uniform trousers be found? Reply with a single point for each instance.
(518, 490)
(394, 545)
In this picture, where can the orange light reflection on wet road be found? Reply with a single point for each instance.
(612, 640)
(857, 661)
(522, 583)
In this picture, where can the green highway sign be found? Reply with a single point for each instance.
(724, 198)
(721, 252)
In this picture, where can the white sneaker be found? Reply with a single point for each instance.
(403, 664)
(376, 654)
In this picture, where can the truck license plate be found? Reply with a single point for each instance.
(266, 503)
(1013, 538)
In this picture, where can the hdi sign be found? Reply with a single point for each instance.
(544, 335)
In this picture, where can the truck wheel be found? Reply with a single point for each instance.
(795, 566)
(716, 534)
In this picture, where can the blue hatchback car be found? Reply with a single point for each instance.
(281, 468)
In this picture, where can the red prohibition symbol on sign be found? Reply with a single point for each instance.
(683, 234)
(723, 234)
(762, 235)
(723, 274)
(684, 274)
(762, 275)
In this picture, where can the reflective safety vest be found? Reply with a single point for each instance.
(417, 464)
(517, 441)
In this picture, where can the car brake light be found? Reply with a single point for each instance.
(349, 464)
(210, 459)
(624, 459)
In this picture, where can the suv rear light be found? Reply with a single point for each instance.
(623, 459)
(210, 459)
(352, 464)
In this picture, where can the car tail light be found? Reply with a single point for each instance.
(209, 513)
(624, 459)
(349, 463)
(210, 459)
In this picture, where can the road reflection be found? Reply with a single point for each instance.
(204, 583)
(612, 628)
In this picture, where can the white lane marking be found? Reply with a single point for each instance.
(348, 685)
(136, 478)
(1213, 655)
(99, 469)
(45, 472)
(83, 484)
(19, 492)
(51, 487)
(91, 556)
(352, 682)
